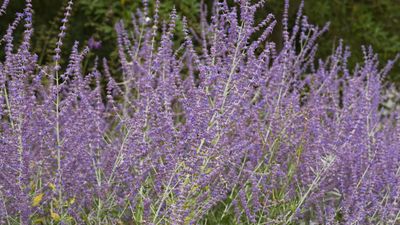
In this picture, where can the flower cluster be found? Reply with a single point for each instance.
(223, 128)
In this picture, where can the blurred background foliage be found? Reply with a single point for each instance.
(357, 22)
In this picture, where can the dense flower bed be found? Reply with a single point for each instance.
(218, 130)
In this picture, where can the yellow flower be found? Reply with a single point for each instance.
(55, 216)
(37, 199)
(72, 201)
(52, 186)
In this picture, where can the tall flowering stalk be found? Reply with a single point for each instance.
(221, 128)
(3, 7)
(57, 99)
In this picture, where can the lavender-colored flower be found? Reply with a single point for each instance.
(233, 130)
(93, 44)
(3, 7)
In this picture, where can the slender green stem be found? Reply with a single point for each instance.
(8, 108)
(58, 139)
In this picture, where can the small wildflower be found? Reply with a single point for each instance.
(37, 199)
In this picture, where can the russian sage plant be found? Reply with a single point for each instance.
(223, 129)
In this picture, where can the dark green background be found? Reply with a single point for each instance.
(358, 22)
